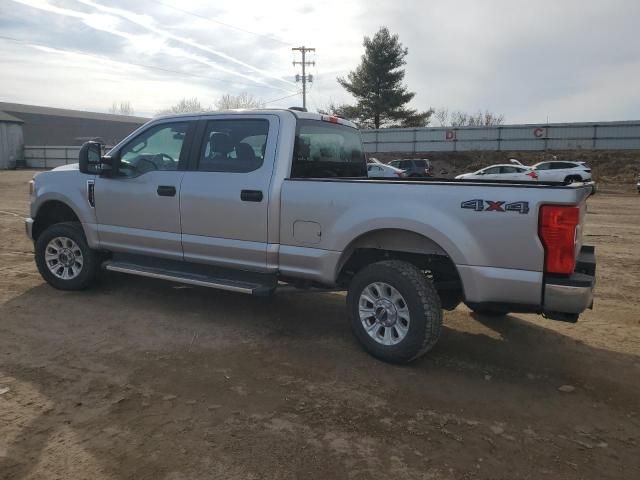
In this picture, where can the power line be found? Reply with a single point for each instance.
(282, 98)
(151, 67)
(304, 78)
(228, 25)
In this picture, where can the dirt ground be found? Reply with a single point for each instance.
(141, 379)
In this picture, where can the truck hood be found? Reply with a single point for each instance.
(71, 166)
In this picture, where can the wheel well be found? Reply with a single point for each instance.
(439, 268)
(573, 176)
(50, 213)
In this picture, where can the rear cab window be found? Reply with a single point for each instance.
(327, 150)
(234, 145)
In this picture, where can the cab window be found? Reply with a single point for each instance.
(327, 150)
(236, 146)
(158, 148)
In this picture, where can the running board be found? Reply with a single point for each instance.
(189, 278)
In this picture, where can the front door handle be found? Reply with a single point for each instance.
(251, 195)
(166, 190)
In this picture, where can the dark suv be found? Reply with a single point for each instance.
(420, 167)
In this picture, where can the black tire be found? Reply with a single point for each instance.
(87, 274)
(422, 302)
(572, 178)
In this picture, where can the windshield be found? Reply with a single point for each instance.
(327, 150)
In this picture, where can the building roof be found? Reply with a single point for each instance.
(18, 108)
(5, 117)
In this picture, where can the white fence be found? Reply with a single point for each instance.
(50, 156)
(557, 136)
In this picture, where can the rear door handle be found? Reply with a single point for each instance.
(251, 195)
(166, 190)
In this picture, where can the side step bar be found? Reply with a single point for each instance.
(189, 278)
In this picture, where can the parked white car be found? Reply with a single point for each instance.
(376, 168)
(562, 171)
(502, 172)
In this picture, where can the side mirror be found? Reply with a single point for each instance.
(89, 157)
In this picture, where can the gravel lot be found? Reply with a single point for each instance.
(145, 379)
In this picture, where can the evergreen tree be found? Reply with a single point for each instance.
(377, 86)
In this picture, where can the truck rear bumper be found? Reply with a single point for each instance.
(563, 298)
(566, 297)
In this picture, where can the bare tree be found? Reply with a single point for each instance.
(186, 105)
(122, 108)
(442, 115)
(244, 100)
(478, 119)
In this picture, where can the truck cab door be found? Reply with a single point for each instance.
(138, 209)
(224, 199)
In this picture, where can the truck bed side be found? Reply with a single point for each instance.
(321, 218)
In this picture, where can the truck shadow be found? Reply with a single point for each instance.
(108, 347)
(525, 349)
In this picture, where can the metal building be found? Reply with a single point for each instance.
(11, 143)
(45, 126)
(624, 135)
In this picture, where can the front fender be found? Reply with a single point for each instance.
(71, 189)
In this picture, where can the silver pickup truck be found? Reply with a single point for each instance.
(249, 201)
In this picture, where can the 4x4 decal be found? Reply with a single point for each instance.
(479, 205)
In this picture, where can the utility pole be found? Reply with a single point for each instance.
(304, 78)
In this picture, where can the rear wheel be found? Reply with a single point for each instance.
(64, 258)
(572, 179)
(394, 311)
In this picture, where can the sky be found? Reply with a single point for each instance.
(532, 61)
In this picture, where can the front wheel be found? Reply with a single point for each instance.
(394, 310)
(64, 258)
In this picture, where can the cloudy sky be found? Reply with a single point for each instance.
(532, 61)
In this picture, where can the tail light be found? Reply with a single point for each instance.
(557, 231)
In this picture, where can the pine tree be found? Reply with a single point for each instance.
(377, 86)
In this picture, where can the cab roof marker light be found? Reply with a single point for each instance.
(330, 119)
